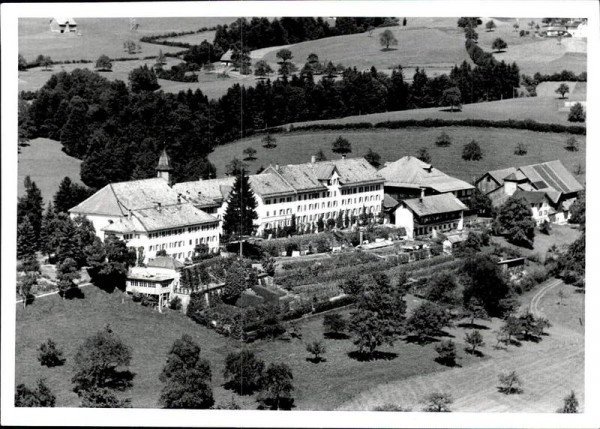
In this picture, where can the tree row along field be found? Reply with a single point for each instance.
(497, 145)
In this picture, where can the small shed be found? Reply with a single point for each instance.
(512, 266)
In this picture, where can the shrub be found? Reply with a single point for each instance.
(510, 383)
(243, 371)
(472, 151)
(175, 304)
(391, 407)
(520, 149)
(438, 402)
(50, 355)
(316, 348)
(334, 323)
(446, 350)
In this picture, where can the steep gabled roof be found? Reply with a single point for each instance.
(104, 202)
(166, 262)
(411, 172)
(173, 216)
(269, 184)
(532, 197)
(205, 192)
(389, 202)
(553, 174)
(434, 204)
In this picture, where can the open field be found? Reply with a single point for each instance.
(193, 39)
(549, 371)
(101, 36)
(540, 109)
(497, 146)
(317, 386)
(47, 165)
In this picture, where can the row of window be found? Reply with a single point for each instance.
(181, 243)
(179, 231)
(329, 204)
(315, 217)
(444, 227)
(141, 283)
(324, 194)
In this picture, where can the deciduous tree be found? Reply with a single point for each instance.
(316, 348)
(41, 396)
(446, 350)
(103, 63)
(510, 383)
(483, 280)
(490, 25)
(474, 340)
(499, 45)
(143, 79)
(250, 154)
(577, 114)
(428, 320)
(443, 140)
(373, 158)
(334, 323)
(186, 377)
(423, 155)
(562, 89)
(387, 39)
(438, 402)
(243, 371)
(451, 97)
(277, 386)
(49, 354)
(472, 151)
(516, 222)
(341, 146)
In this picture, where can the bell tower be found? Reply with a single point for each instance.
(164, 168)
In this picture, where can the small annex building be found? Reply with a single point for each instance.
(160, 278)
(429, 215)
(548, 187)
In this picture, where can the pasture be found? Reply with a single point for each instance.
(548, 109)
(549, 369)
(101, 36)
(46, 163)
(497, 146)
(322, 386)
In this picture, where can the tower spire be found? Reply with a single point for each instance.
(164, 168)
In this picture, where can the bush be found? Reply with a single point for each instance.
(577, 114)
(446, 350)
(175, 304)
(50, 355)
(472, 151)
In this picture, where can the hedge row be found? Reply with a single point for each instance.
(478, 55)
(525, 124)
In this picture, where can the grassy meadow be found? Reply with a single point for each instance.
(46, 163)
(497, 146)
(101, 36)
(322, 386)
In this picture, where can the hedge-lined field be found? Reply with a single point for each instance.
(497, 145)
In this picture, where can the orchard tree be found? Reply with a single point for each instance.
(341, 146)
(515, 220)
(378, 316)
(480, 203)
(570, 404)
(562, 90)
(451, 97)
(423, 155)
(483, 280)
(243, 372)
(471, 34)
(442, 288)
(438, 402)
(316, 348)
(474, 340)
(250, 154)
(49, 354)
(46, 62)
(446, 350)
(577, 114)
(320, 156)
(103, 63)
(510, 383)
(472, 151)
(277, 387)
(443, 140)
(387, 39)
(373, 158)
(474, 309)
(100, 361)
(269, 141)
(186, 377)
(572, 144)
(520, 149)
(428, 320)
(490, 25)
(465, 22)
(262, 69)
(499, 45)
(334, 324)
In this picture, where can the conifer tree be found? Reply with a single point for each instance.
(47, 230)
(241, 209)
(69, 194)
(30, 205)
(25, 240)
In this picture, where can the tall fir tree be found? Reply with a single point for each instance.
(69, 194)
(241, 209)
(31, 205)
(48, 225)
(25, 240)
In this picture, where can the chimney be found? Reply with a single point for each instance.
(313, 159)
(344, 156)
(159, 206)
(277, 168)
(178, 198)
(422, 194)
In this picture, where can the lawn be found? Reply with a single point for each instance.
(47, 165)
(497, 146)
(561, 235)
(101, 36)
(549, 370)
(322, 386)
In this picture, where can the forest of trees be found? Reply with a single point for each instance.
(112, 127)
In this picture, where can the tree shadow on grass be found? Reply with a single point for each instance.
(472, 326)
(316, 360)
(336, 336)
(474, 353)
(449, 364)
(285, 404)
(30, 299)
(74, 293)
(449, 109)
(388, 49)
(248, 390)
(376, 355)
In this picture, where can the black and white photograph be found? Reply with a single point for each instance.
(277, 207)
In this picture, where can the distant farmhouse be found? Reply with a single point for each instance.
(226, 58)
(63, 25)
(549, 188)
